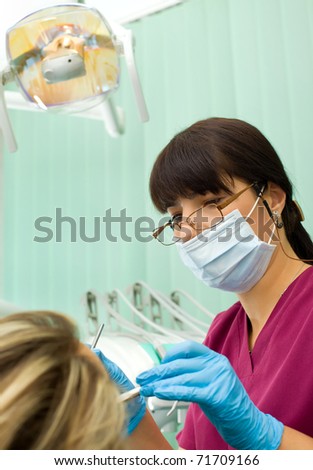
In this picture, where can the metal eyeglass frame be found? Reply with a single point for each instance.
(190, 222)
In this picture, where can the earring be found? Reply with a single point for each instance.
(276, 217)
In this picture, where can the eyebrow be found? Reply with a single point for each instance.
(194, 194)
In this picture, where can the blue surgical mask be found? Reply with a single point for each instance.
(230, 256)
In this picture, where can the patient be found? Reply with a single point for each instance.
(54, 392)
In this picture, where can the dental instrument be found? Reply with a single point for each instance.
(129, 394)
(174, 406)
(96, 339)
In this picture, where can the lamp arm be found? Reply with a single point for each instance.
(5, 124)
(125, 38)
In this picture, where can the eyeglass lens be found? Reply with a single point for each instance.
(204, 218)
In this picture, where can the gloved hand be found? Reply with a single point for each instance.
(136, 407)
(192, 372)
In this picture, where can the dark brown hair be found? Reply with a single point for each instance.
(209, 154)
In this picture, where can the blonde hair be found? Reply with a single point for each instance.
(51, 396)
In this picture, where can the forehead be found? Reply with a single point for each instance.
(196, 199)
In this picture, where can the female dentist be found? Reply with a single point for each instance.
(237, 228)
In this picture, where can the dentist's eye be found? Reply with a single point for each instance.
(215, 202)
(176, 221)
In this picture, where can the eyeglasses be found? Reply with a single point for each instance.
(208, 216)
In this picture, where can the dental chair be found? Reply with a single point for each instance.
(133, 347)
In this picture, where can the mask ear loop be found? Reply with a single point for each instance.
(260, 196)
(256, 202)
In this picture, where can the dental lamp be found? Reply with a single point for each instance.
(66, 58)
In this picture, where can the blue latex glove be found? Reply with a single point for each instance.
(136, 407)
(192, 372)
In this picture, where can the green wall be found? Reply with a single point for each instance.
(251, 59)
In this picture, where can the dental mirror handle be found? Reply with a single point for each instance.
(134, 392)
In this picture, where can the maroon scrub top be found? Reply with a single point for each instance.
(277, 374)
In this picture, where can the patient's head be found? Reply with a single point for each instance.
(54, 392)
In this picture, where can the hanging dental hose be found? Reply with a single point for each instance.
(200, 307)
(172, 310)
(147, 321)
(182, 315)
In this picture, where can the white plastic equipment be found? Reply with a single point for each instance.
(133, 348)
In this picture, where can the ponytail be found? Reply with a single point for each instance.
(297, 236)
